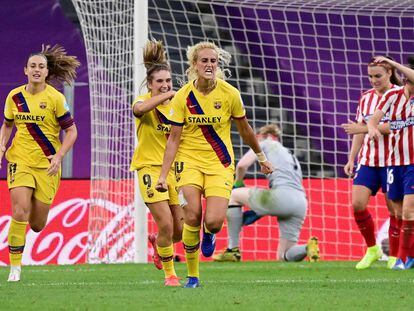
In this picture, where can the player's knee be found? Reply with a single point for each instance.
(165, 229)
(358, 205)
(20, 215)
(20, 212)
(37, 227)
(408, 211)
(214, 226)
(192, 220)
(239, 196)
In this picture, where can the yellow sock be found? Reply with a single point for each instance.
(16, 240)
(167, 256)
(191, 241)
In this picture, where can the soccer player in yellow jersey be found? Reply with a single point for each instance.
(201, 114)
(34, 157)
(152, 132)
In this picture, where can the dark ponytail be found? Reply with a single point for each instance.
(62, 67)
(395, 78)
(155, 58)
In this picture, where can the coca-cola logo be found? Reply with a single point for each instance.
(67, 240)
(63, 241)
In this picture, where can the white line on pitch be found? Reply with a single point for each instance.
(275, 281)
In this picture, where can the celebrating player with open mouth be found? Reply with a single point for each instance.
(201, 116)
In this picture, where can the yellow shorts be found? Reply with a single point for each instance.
(45, 187)
(147, 179)
(213, 184)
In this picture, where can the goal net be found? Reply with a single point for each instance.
(108, 30)
(301, 64)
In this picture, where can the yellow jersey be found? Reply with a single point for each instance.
(38, 119)
(152, 131)
(205, 140)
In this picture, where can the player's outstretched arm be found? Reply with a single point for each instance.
(246, 132)
(139, 108)
(352, 128)
(5, 132)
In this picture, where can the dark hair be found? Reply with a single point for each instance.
(410, 61)
(62, 67)
(395, 78)
(154, 58)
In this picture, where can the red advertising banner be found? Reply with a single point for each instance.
(64, 240)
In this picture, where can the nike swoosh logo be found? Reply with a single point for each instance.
(20, 104)
(192, 106)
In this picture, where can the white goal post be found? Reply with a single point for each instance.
(114, 34)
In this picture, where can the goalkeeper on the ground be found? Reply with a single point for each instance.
(286, 199)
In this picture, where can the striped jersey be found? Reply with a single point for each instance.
(38, 118)
(372, 153)
(401, 118)
(152, 131)
(206, 120)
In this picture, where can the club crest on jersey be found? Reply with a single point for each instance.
(217, 104)
(42, 105)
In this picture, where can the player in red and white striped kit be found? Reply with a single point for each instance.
(398, 104)
(371, 174)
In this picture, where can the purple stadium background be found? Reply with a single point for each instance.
(25, 26)
(320, 58)
(328, 61)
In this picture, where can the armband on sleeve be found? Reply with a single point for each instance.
(66, 121)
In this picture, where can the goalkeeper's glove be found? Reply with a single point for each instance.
(238, 184)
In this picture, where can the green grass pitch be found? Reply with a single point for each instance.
(225, 286)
